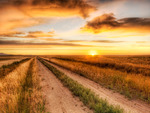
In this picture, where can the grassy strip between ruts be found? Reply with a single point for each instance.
(30, 99)
(6, 69)
(86, 95)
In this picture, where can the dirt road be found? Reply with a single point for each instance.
(129, 106)
(58, 98)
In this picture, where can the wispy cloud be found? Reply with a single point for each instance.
(16, 42)
(11, 34)
(31, 34)
(107, 41)
(97, 41)
(39, 34)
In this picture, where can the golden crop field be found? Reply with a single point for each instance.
(38, 84)
(123, 74)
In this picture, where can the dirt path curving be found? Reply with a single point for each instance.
(58, 98)
(129, 106)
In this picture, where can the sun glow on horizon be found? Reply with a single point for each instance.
(93, 52)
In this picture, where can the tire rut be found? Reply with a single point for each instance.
(58, 98)
(129, 106)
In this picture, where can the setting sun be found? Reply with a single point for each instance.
(93, 53)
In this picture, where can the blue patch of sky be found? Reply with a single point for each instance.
(58, 25)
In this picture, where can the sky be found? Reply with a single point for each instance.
(75, 27)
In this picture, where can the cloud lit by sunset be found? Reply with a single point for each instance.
(64, 27)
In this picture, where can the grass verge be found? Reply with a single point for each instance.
(86, 95)
(30, 99)
(6, 69)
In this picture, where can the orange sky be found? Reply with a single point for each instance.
(71, 27)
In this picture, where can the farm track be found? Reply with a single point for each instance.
(130, 106)
(58, 98)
